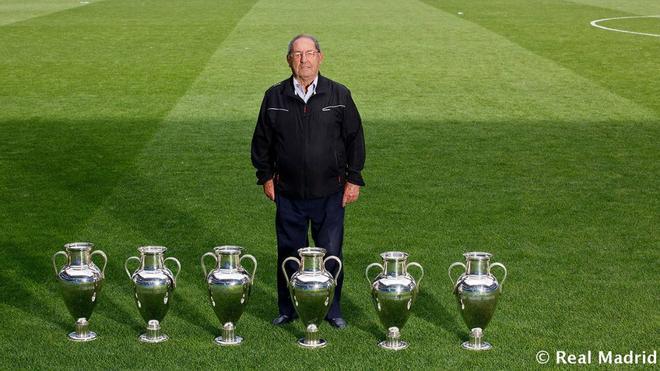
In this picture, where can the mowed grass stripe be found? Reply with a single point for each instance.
(193, 187)
(81, 92)
(634, 7)
(12, 11)
(566, 200)
(624, 64)
(468, 72)
(137, 53)
(462, 68)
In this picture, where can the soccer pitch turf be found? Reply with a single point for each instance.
(508, 126)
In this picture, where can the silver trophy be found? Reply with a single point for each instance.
(153, 285)
(80, 282)
(394, 292)
(229, 286)
(312, 288)
(477, 292)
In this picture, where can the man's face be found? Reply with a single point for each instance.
(304, 59)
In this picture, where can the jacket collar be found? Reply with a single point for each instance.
(321, 87)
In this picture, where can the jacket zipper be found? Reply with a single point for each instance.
(306, 144)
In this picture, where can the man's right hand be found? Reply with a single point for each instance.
(269, 189)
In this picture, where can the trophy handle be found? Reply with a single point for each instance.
(105, 258)
(501, 266)
(338, 261)
(284, 268)
(366, 271)
(126, 265)
(57, 271)
(175, 260)
(453, 282)
(254, 270)
(204, 265)
(420, 268)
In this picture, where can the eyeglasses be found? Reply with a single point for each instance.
(307, 54)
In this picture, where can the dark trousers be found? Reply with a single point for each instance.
(292, 222)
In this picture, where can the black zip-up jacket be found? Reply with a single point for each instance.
(312, 149)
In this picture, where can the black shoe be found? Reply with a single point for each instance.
(338, 322)
(283, 319)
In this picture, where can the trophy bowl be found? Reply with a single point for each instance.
(80, 281)
(153, 285)
(312, 288)
(477, 292)
(393, 292)
(229, 286)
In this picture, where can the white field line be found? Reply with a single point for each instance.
(595, 24)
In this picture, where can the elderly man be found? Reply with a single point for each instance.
(308, 149)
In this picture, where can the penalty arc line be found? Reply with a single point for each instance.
(595, 24)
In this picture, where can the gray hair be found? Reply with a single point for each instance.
(303, 36)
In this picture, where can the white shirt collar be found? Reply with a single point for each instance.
(300, 91)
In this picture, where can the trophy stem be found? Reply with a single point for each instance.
(153, 334)
(476, 340)
(312, 339)
(228, 336)
(82, 332)
(393, 341)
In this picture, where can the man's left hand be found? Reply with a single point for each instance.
(351, 193)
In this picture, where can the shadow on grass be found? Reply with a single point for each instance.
(265, 291)
(263, 303)
(358, 318)
(20, 275)
(139, 202)
(262, 293)
(297, 328)
(114, 310)
(25, 300)
(429, 308)
(193, 314)
(61, 177)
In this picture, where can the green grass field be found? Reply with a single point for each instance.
(508, 126)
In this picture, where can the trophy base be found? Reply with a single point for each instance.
(89, 336)
(484, 345)
(393, 341)
(476, 340)
(144, 338)
(386, 344)
(311, 339)
(221, 341)
(320, 343)
(153, 334)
